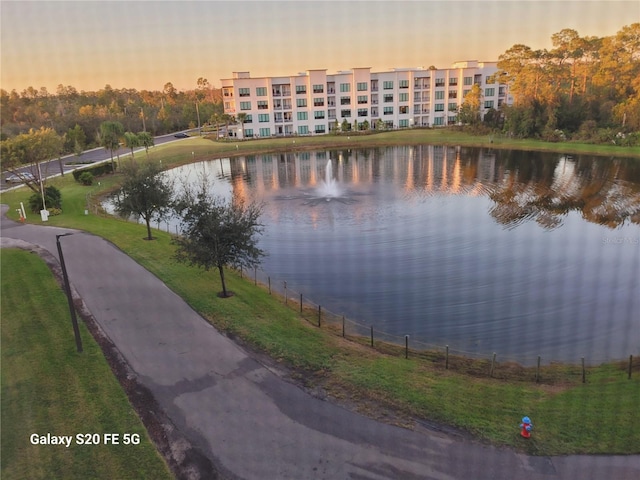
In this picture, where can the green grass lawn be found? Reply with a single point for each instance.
(600, 416)
(47, 387)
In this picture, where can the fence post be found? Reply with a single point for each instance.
(285, 293)
(319, 314)
(493, 362)
(300, 304)
(342, 326)
(538, 371)
(255, 275)
(446, 357)
(406, 346)
(371, 336)
(584, 378)
(630, 363)
(269, 279)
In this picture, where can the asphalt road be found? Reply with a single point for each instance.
(69, 163)
(245, 415)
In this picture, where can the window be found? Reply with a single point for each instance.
(248, 132)
(261, 91)
(489, 80)
(265, 132)
(452, 107)
(345, 113)
(320, 129)
(300, 89)
(468, 80)
(464, 93)
(318, 88)
(263, 117)
(501, 91)
(439, 82)
(439, 107)
(403, 84)
(245, 105)
(453, 81)
(387, 85)
(318, 114)
(403, 97)
(302, 115)
(303, 130)
(263, 105)
(440, 95)
(387, 111)
(227, 105)
(318, 102)
(345, 100)
(345, 87)
(403, 123)
(438, 121)
(417, 96)
(451, 119)
(244, 92)
(301, 102)
(362, 99)
(388, 97)
(489, 92)
(363, 112)
(249, 119)
(488, 104)
(453, 94)
(404, 109)
(362, 86)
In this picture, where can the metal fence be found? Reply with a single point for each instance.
(482, 365)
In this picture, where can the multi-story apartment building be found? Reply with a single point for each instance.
(314, 102)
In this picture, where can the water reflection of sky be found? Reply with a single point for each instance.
(483, 251)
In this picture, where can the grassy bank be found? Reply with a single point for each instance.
(570, 417)
(49, 388)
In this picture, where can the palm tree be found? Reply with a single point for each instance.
(110, 133)
(132, 141)
(242, 117)
(146, 141)
(215, 119)
(227, 119)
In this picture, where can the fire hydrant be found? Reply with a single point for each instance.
(525, 427)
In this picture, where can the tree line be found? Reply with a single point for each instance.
(76, 116)
(584, 88)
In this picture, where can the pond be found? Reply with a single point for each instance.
(519, 253)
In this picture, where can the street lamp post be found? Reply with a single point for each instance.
(74, 320)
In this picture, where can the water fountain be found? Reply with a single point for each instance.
(329, 188)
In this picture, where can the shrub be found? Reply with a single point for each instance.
(95, 171)
(52, 196)
(86, 178)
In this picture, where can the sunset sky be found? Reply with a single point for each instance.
(145, 44)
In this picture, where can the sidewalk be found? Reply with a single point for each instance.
(247, 418)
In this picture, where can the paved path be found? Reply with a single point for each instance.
(250, 421)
